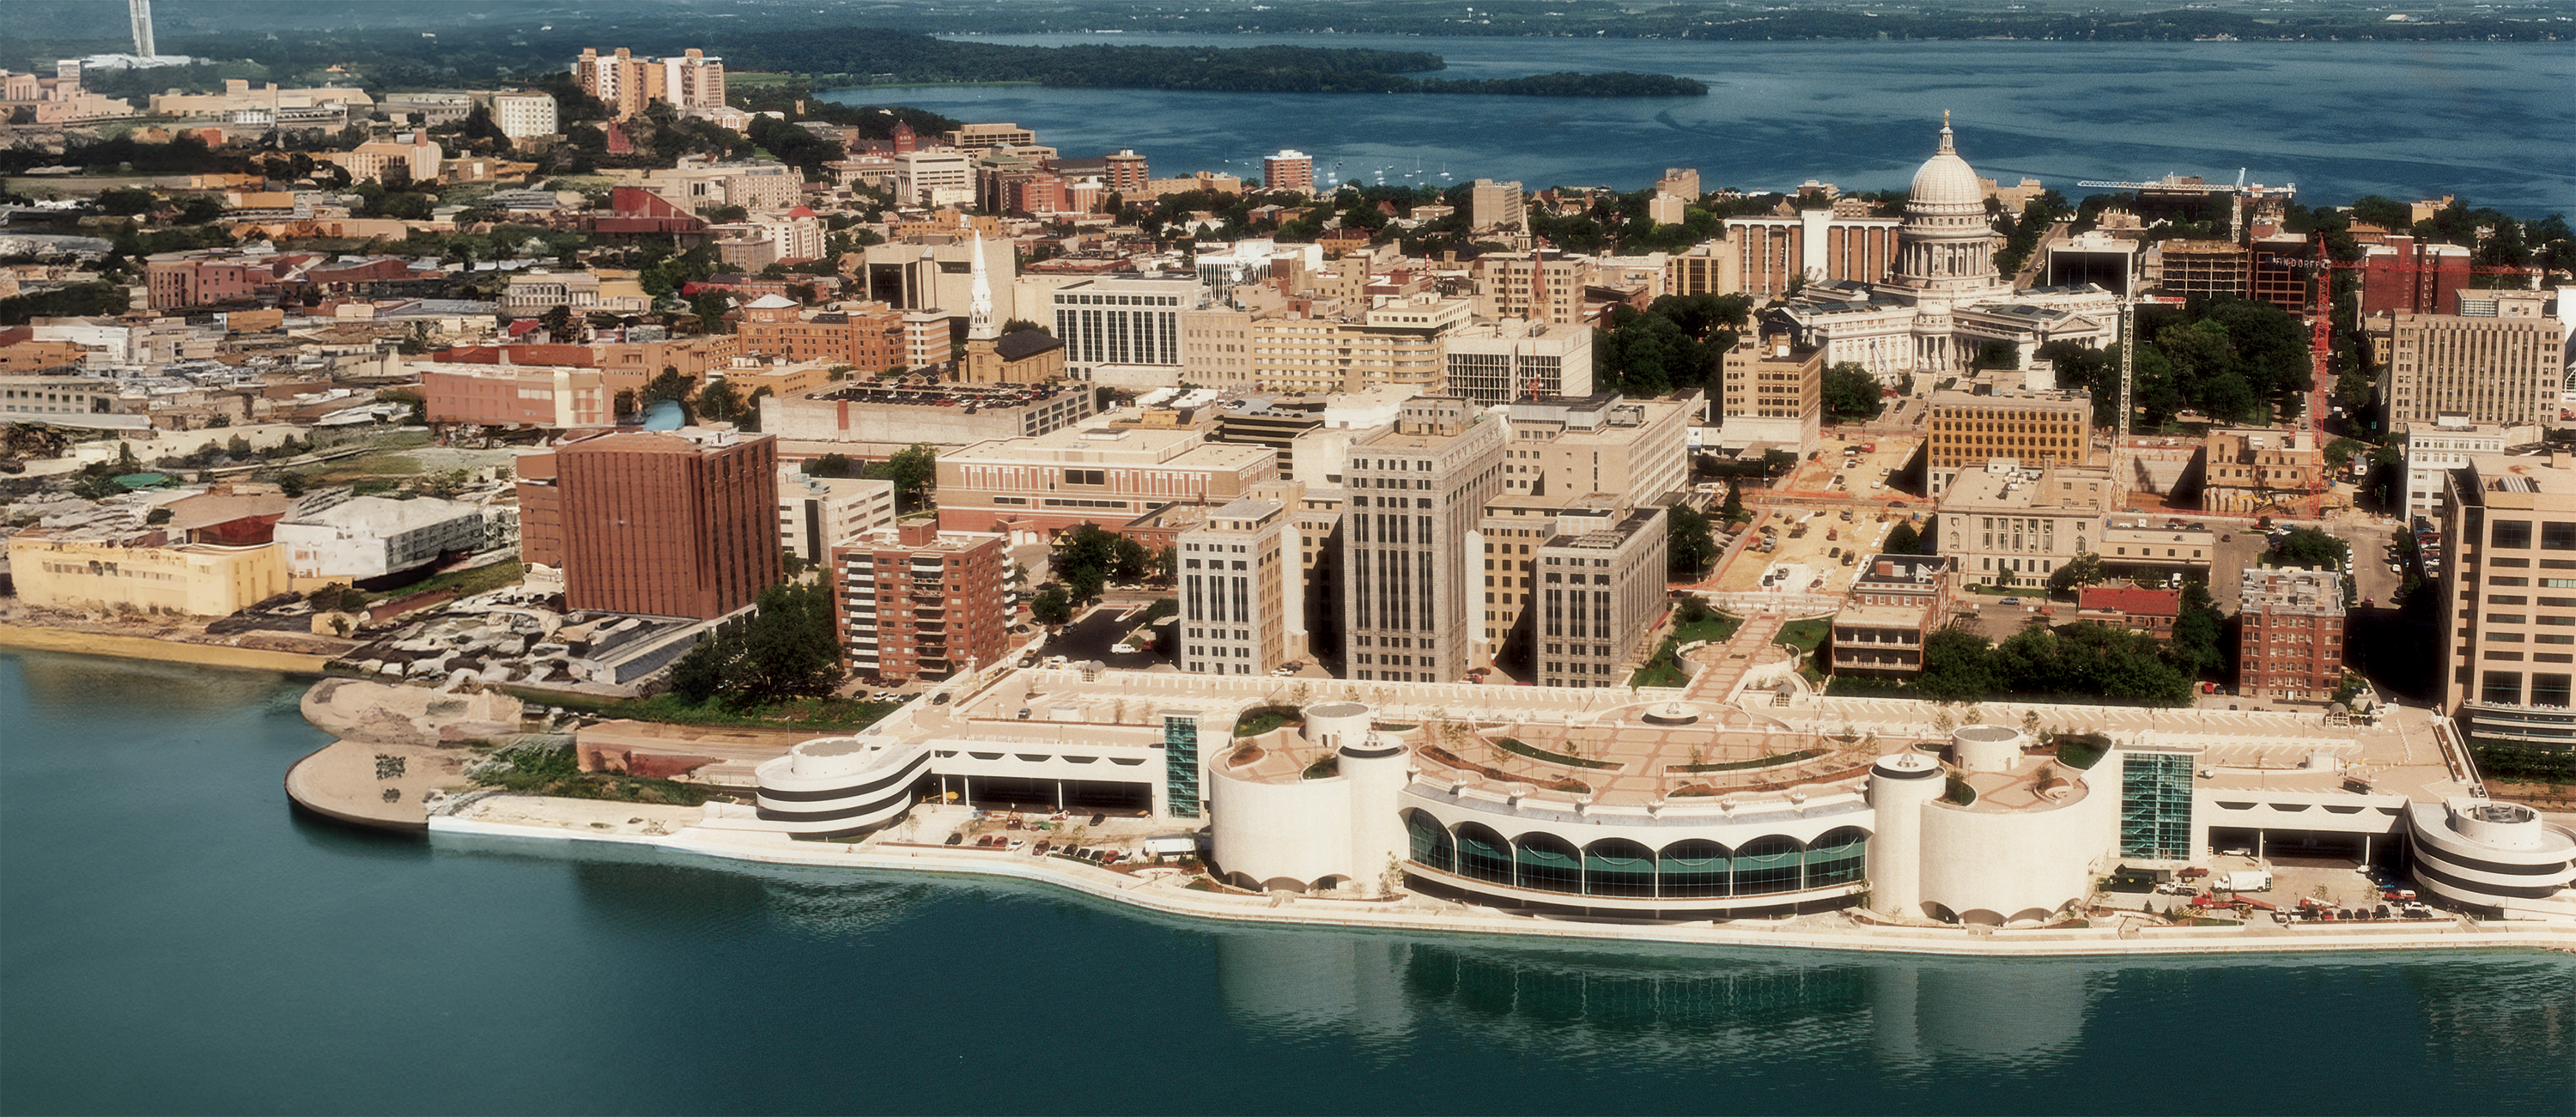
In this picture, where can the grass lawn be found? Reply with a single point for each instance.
(830, 714)
(1805, 635)
(468, 582)
(1664, 667)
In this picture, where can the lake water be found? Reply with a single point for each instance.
(173, 939)
(2490, 122)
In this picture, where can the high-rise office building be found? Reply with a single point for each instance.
(1409, 556)
(1600, 584)
(2509, 600)
(1234, 581)
(2501, 360)
(1496, 205)
(679, 523)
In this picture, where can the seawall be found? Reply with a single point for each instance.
(167, 651)
(1167, 898)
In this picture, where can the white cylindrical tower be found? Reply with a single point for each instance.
(1986, 748)
(1899, 788)
(1373, 765)
(1333, 724)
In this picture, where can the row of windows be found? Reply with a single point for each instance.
(1689, 869)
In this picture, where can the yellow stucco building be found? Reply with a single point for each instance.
(195, 579)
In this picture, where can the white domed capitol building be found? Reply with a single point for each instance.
(1942, 300)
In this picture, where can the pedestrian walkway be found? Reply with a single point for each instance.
(1723, 666)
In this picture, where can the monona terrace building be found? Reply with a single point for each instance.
(1667, 805)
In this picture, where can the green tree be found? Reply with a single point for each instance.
(1732, 511)
(2198, 632)
(560, 325)
(1954, 667)
(1052, 606)
(2311, 547)
(1902, 540)
(670, 384)
(914, 471)
(785, 649)
(1850, 392)
(2340, 451)
(1689, 550)
(719, 403)
(2082, 570)
(830, 465)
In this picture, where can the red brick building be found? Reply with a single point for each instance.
(180, 284)
(674, 524)
(2291, 646)
(2143, 610)
(867, 337)
(915, 602)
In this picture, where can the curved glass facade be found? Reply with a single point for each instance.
(1618, 867)
(1483, 855)
(1432, 846)
(1691, 869)
(1548, 863)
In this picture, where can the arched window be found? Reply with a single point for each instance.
(1432, 847)
(1618, 867)
(1768, 864)
(1696, 868)
(1838, 856)
(1483, 854)
(1548, 863)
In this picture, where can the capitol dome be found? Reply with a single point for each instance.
(1946, 180)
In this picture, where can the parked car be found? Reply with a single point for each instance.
(939, 699)
(2014, 602)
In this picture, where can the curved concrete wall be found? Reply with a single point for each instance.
(833, 786)
(2019, 864)
(1987, 748)
(1273, 831)
(2493, 855)
(1901, 787)
(1332, 724)
(1374, 776)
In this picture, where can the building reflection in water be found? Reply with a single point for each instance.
(1905, 1018)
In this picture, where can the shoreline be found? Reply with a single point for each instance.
(31, 638)
(1411, 914)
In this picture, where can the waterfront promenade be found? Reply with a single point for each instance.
(524, 818)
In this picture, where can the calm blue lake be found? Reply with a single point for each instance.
(2490, 122)
(173, 940)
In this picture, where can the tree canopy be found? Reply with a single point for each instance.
(786, 649)
(1851, 393)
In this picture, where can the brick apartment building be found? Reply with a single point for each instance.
(674, 523)
(866, 336)
(912, 601)
(2291, 646)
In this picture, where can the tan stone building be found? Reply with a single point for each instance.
(60, 570)
(1600, 586)
(1600, 444)
(2028, 426)
(1234, 590)
(1517, 359)
(2506, 366)
(2016, 526)
(2246, 472)
(2509, 600)
(1773, 392)
(1417, 493)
